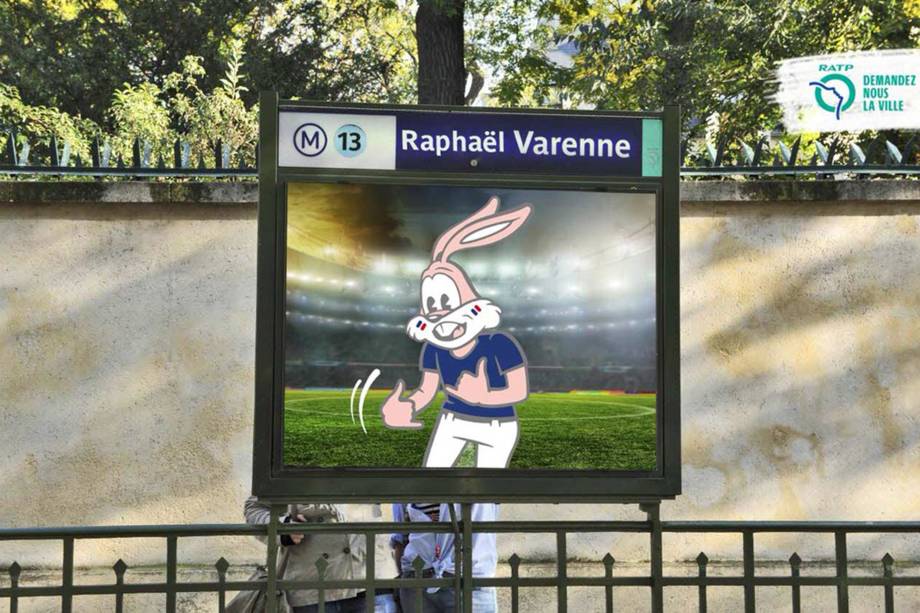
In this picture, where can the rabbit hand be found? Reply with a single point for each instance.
(397, 412)
(472, 388)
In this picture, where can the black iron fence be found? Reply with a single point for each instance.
(655, 580)
(726, 156)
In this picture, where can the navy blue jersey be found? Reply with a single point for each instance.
(501, 353)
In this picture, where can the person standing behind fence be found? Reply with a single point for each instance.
(343, 553)
(436, 550)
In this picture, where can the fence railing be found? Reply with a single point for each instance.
(727, 156)
(462, 583)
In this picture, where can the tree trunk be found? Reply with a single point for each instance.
(439, 35)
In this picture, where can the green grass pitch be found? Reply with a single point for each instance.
(557, 430)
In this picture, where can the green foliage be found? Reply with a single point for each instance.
(37, 124)
(714, 58)
(157, 116)
(78, 69)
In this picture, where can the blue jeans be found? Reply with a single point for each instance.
(442, 601)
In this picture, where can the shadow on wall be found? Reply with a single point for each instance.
(127, 344)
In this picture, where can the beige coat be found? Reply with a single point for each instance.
(344, 553)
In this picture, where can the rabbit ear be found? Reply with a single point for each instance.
(489, 209)
(487, 230)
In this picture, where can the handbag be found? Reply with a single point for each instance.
(255, 601)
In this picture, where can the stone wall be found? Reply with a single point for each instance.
(127, 340)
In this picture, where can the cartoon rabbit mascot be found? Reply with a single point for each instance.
(483, 371)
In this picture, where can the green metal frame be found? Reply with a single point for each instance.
(273, 481)
(14, 581)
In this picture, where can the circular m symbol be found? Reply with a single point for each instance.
(310, 140)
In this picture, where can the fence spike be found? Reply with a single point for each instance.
(720, 150)
(794, 153)
(702, 560)
(222, 565)
(712, 154)
(894, 156)
(758, 151)
(145, 158)
(119, 163)
(609, 560)
(887, 564)
(747, 153)
(120, 568)
(161, 164)
(201, 165)
(822, 151)
(55, 155)
(15, 571)
(795, 561)
(177, 154)
(94, 160)
(856, 154)
(136, 153)
(218, 160)
(785, 152)
(515, 562)
(77, 160)
(11, 148)
(106, 154)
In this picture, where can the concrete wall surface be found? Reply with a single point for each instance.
(126, 364)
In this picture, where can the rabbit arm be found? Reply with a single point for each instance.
(425, 392)
(516, 391)
(474, 388)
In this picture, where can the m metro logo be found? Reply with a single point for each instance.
(310, 140)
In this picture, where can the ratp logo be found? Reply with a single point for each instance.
(310, 140)
(834, 92)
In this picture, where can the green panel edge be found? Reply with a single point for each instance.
(651, 147)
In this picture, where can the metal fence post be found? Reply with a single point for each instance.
(466, 545)
(271, 559)
(171, 543)
(840, 553)
(67, 578)
(702, 561)
(370, 570)
(562, 597)
(653, 513)
(750, 605)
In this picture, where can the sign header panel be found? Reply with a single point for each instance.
(471, 142)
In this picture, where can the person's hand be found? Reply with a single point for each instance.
(472, 388)
(294, 538)
(396, 411)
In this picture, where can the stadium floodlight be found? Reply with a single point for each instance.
(478, 268)
(384, 266)
(507, 269)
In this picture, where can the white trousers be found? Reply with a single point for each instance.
(495, 441)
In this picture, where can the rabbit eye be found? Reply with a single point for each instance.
(445, 302)
(430, 303)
